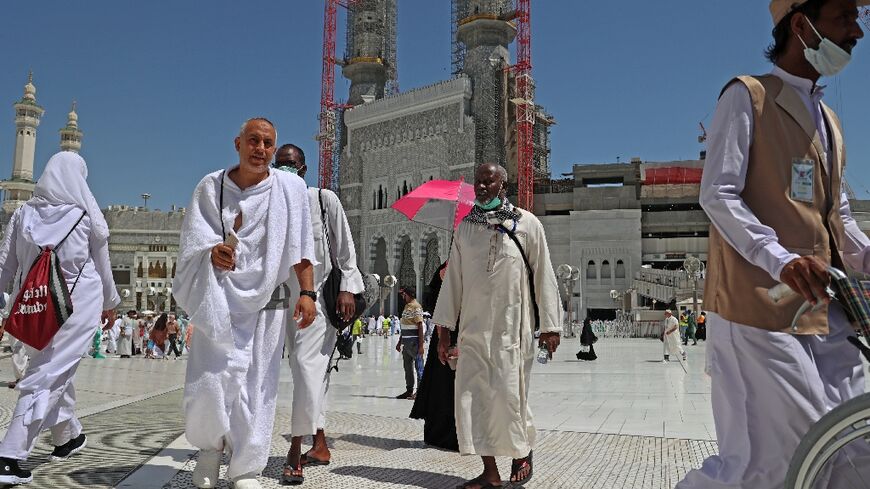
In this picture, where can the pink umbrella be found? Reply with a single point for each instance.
(439, 203)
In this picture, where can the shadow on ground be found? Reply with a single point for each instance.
(416, 478)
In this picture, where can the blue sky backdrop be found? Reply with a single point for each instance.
(162, 86)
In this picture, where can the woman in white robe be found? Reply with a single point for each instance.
(46, 392)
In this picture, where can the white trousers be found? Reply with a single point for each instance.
(309, 353)
(768, 388)
(229, 398)
(113, 344)
(46, 394)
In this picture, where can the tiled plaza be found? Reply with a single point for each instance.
(625, 420)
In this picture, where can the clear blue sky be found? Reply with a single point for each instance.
(162, 86)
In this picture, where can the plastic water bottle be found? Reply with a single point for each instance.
(543, 355)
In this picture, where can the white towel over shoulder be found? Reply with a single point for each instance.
(275, 235)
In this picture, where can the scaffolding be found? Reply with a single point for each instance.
(381, 23)
(339, 137)
(390, 55)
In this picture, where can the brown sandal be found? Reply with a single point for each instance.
(294, 477)
(307, 460)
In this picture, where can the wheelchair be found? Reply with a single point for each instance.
(834, 440)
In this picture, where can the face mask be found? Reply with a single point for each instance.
(828, 59)
(493, 204)
(291, 169)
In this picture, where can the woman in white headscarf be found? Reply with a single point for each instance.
(61, 201)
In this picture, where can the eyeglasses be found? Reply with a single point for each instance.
(290, 163)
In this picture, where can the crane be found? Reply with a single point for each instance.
(327, 135)
(525, 109)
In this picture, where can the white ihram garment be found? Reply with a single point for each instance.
(486, 287)
(768, 388)
(114, 333)
(125, 340)
(671, 342)
(232, 373)
(46, 392)
(311, 348)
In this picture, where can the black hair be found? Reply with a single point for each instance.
(297, 148)
(160, 324)
(782, 31)
(410, 290)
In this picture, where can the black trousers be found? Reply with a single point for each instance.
(173, 345)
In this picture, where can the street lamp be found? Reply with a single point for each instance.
(568, 277)
(694, 269)
(145, 197)
(387, 284)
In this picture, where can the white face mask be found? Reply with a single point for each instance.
(828, 59)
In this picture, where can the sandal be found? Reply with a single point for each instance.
(519, 464)
(480, 482)
(292, 476)
(307, 460)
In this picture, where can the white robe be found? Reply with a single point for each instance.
(125, 336)
(311, 348)
(114, 333)
(46, 392)
(671, 342)
(232, 374)
(486, 286)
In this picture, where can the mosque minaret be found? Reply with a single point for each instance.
(19, 188)
(70, 135)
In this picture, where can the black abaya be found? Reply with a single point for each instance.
(435, 394)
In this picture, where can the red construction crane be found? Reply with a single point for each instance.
(328, 106)
(525, 108)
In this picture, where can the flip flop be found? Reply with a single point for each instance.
(292, 479)
(307, 460)
(517, 465)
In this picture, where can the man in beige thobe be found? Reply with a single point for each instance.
(487, 286)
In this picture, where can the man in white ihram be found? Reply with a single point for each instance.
(310, 349)
(245, 229)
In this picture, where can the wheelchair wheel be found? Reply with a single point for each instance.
(845, 427)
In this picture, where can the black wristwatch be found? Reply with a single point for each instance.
(310, 293)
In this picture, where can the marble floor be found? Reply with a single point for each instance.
(626, 420)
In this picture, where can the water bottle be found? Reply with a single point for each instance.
(543, 355)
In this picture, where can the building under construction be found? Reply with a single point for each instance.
(388, 142)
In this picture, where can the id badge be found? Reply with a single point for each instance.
(802, 173)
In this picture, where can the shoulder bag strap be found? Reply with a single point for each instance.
(89, 250)
(530, 273)
(71, 230)
(221, 207)
(325, 226)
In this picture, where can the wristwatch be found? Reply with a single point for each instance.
(310, 293)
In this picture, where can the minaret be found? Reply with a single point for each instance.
(486, 33)
(365, 63)
(71, 136)
(19, 188)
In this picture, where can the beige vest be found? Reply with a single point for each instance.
(783, 131)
